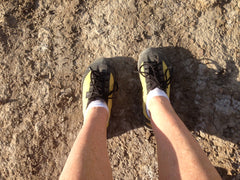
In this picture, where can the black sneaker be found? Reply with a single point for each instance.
(98, 83)
(153, 72)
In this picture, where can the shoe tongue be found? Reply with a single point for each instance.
(102, 68)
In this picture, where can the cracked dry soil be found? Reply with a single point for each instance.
(46, 45)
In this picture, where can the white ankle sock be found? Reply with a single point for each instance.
(153, 93)
(96, 103)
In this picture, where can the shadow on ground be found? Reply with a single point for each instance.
(127, 103)
(200, 90)
(191, 81)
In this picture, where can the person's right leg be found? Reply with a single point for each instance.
(179, 154)
(88, 158)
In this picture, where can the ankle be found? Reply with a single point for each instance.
(156, 101)
(94, 104)
(151, 98)
(96, 115)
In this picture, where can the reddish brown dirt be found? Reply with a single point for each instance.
(46, 45)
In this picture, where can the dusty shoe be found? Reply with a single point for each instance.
(98, 83)
(153, 72)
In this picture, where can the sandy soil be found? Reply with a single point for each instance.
(46, 45)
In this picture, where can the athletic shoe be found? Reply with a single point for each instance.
(99, 83)
(153, 72)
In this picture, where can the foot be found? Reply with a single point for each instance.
(98, 83)
(154, 73)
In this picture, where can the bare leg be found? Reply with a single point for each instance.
(88, 158)
(179, 154)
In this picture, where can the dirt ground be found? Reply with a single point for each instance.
(46, 45)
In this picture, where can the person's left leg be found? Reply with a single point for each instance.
(88, 158)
